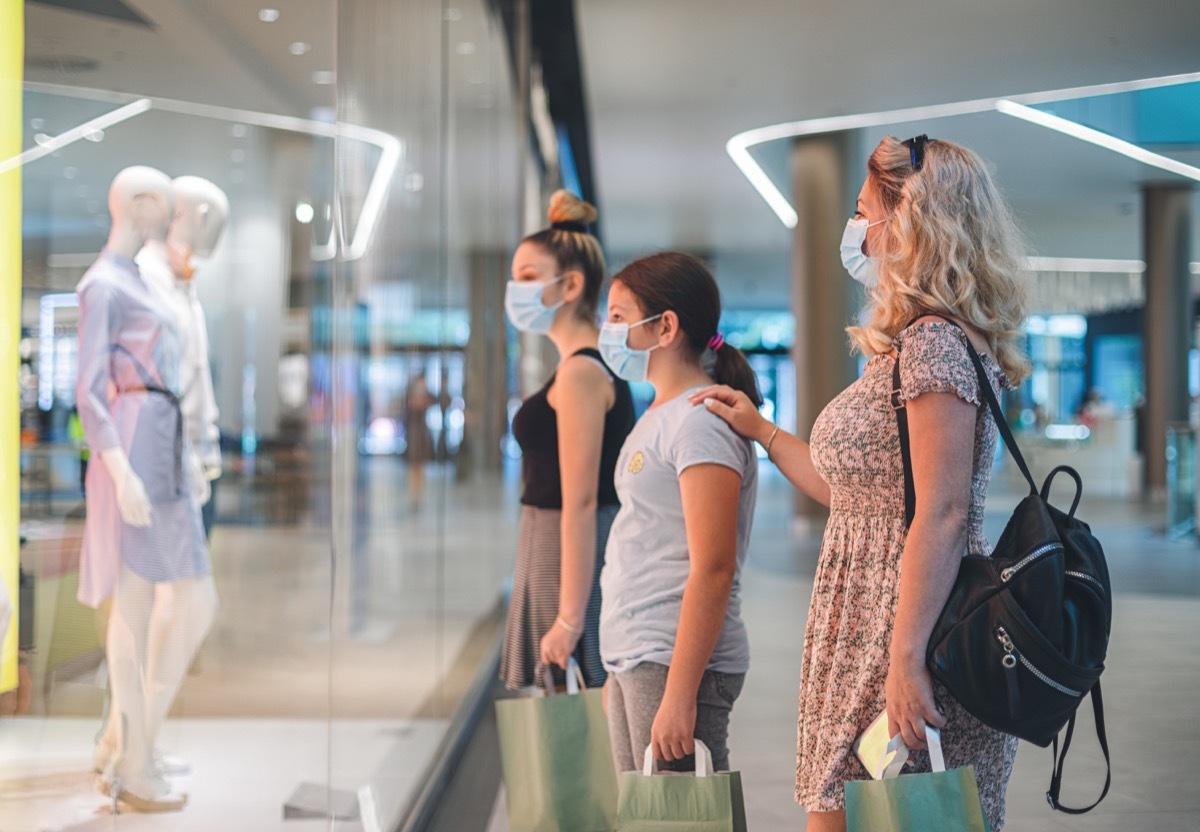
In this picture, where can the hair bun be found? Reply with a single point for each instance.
(566, 207)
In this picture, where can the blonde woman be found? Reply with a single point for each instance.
(931, 234)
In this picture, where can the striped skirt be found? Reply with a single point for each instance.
(534, 604)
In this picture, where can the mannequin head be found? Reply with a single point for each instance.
(201, 210)
(141, 204)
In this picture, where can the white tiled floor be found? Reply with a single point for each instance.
(429, 576)
(243, 772)
(1151, 686)
(1152, 703)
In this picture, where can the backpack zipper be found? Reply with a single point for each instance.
(1083, 576)
(1007, 574)
(1011, 656)
(1010, 673)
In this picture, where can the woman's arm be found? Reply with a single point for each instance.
(942, 439)
(710, 495)
(791, 455)
(582, 393)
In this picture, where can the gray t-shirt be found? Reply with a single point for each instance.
(646, 563)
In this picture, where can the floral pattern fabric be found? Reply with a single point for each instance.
(856, 450)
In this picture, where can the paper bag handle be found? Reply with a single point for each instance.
(704, 763)
(937, 761)
(575, 681)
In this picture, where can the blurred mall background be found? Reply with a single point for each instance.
(382, 159)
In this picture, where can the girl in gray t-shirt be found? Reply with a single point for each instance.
(671, 633)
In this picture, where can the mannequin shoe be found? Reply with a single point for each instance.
(150, 795)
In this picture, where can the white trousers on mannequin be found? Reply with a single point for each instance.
(154, 632)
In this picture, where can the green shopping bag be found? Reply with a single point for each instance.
(557, 759)
(946, 801)
(706, 802)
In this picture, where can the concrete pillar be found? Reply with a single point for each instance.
(1167, 248)
(487, 362)
(824, 298)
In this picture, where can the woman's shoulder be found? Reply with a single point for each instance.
(948, 339)
(696, 425)
(934, 358)
(584, 375)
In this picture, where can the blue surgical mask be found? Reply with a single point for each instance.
(860, 266)
(622, 359)
(523, 303)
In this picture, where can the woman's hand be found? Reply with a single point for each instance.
(558, 645)
(734, 407)
(910, 706)
(672, 737)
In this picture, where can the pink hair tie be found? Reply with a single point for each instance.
(716, 342)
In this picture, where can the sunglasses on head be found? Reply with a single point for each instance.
(916, 150)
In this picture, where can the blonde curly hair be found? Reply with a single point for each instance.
(949, 244)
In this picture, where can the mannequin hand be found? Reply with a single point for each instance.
(200, 487)
(558, 645)
(132, 501)
(909, 694)
(672, 734)
(734, 407)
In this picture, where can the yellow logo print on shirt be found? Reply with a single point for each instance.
(637, 463)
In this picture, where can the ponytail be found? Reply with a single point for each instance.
(732, 369)
(683, 284)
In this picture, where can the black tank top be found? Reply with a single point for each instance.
(535, 427)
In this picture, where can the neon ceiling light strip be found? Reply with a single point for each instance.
(739, 146)
(1078, 131)
(1084, 264)
(76, 133)
(391, 150)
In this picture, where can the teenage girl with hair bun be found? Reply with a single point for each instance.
(570, 432)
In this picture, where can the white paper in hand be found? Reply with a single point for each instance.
(881, 755)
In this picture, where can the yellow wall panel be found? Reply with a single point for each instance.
(12, 62)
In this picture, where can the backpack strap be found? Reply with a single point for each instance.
(985, 387)
(1056, 773)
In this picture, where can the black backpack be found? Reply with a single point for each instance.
(1023, 636)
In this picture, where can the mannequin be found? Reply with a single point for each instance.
(143, 543)
(201, 211)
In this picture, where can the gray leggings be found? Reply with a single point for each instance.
(633, 699)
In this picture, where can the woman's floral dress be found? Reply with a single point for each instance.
(856, 450)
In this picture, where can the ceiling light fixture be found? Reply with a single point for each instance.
(47, 145)
(1079, 131)
(268, 15)
(391, 151)
(1084, 264)
(324, 77)
(739, 146)
(304, 213)
(300, 48)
